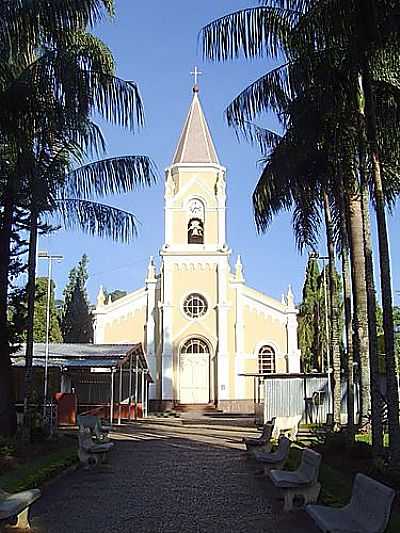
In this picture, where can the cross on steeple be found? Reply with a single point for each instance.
(196, 73)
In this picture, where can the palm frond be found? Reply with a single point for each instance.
(263, 138)
(110, 176)
(270, 92)
(254, 32)
(95, 219)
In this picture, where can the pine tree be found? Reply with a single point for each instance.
(77, 320)
(39, 325)
(314, 317)
(309, 317)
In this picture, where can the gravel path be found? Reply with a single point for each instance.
(162, 479)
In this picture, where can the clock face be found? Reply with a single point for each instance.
(196, 207)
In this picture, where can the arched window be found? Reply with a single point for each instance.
(266, 360)
(194, 346)
(195, 231)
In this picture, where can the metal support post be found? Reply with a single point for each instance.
(146, 394)
(136, 385)
(112, 397)
(120, 394)
(142, 393)
(130, 387)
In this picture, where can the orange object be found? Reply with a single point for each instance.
(66, 408)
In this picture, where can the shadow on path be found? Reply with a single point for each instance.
(166, 482)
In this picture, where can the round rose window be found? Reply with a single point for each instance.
(195, 305)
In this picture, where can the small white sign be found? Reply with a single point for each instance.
(100, 370)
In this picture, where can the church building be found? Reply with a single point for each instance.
(200, 325)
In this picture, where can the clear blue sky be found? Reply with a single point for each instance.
(155, 43)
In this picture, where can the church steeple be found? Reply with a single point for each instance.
(195, 143)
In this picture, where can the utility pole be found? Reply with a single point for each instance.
(50, 259)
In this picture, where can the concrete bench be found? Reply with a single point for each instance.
(286, 425)
(99, 432)
(263, 441)
(91, 452)
(301, 486)
(15, 508)
(367, 512)
(276, 459)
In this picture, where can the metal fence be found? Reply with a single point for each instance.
(305, 395)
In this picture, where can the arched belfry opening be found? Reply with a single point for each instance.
(195, 231)
(195, 228)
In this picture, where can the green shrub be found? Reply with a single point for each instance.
(7, 446)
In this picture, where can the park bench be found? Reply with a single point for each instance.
(263, 441)
(98, 431)
(15, 508)
(276, 459)
(91, 452)
(367, 512)
(301, 486)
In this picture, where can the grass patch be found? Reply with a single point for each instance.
(336, 485)
(37, 471)
(367, 438)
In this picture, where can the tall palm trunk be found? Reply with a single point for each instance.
(346, 277)
(30, 322)
(376, 398)
(334, 313)
(384, 263)
(360, 312)
(8, 420)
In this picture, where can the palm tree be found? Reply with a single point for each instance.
(52, 75)
(66, 195)
(312, 32)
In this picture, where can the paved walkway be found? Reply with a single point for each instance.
(167, 479)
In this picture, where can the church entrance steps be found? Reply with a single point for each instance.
(196, 407)
(202, 425)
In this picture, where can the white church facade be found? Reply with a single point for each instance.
(200, 325)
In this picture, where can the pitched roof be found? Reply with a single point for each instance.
(195, 143)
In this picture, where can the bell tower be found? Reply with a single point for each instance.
(195, 199)
(194, 267)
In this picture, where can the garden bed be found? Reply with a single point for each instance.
(32, 468)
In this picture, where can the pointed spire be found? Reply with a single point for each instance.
(239, 269)
(195, 143)
(151, 269)
(101, 297)
(290, 297)
(283, 299)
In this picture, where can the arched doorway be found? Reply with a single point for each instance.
(194, 371)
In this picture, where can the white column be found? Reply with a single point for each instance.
(99, 325)
(221, 226)
(169, 195)
(150, 347)
(293, 351)
(239, 344)
(223, 356)
(292, 347)
(167, 354)
(221, 200)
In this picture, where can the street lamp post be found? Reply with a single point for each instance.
(50, 259)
